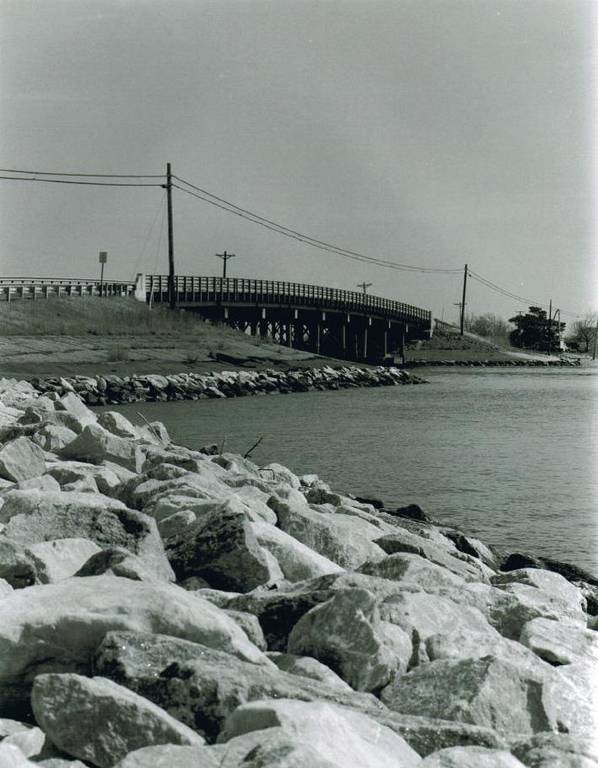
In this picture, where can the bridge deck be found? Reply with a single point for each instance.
(201, 291)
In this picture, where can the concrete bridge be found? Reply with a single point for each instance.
(327, 321)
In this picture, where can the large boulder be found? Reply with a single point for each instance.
(471, 757)
(201, 686)
(347, 635)
(296, 561)
(53, 437)
(558, 591)
(423, 616)
(307, 666)
(221, 548)
(342, 737)
(32, 517)
(56, 627)
(344, 539)
(570, 697)
(556, 750)
(21, 459)
(101, 722)
(174, 756)
(490, 692)
(60, 558)
(560, 643)
(96, 445)
(413, 569)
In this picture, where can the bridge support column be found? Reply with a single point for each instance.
(318, 337)
(365, 342)
(344, 337)
(385, 342)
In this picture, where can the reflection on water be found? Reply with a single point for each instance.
(507, 455)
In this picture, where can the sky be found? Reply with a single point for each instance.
(430, 133)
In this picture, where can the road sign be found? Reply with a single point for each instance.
(103, 257)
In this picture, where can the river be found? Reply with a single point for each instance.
(508, 455)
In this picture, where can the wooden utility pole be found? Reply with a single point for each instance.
(171, 277)
(225, 257)
(550, 326)
(364, 286)
(595, 339)
(463, 300)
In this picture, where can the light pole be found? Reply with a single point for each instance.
(364, 286)
(103, 260)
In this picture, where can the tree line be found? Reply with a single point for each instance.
(535, 330)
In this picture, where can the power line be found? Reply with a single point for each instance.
(97, 175)
(301, 237)
(86, 183)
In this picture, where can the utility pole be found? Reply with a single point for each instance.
(364, 286)
(103, 260)
(463, 300)
(550, 326)
(225, 257)
(171, 278)
(595, 339)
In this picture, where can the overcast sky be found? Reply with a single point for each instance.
(426, 132)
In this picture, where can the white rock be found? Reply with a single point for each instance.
(345, 738)
(173, 756)
(21, 459)
(471, 757)
(296, 561)
(60, 558)
(99, 721)
(96, 445)
(560, 643)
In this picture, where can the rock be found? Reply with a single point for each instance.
(53, 437)
(413, 569)
(404, 541)
(58, 762)
(221, 548)
(12, 757)
(556, 750)
(570, 572)
(176, 523)
(21, 459)
(29, 740)
(344, 539)
(60, 558)
(99, 721)
(296, 561)
(411, 511)
(471, 546)
(490, 692)
(96, 445)
(345, 634)
(423, 616)
(117, 561)
(306, 666)
(56, 627)
(560, 643)
(277, 611)
(570, 698)
(5, 588)
(250, 625)
(172, 756)
(471, 757)
(270, 748)
(76, 409)
(552, 583)
(67, 473)
(201, 686)
(16, 567)
(43, 483)
(117, 424)
(31, 518)
(342, 737)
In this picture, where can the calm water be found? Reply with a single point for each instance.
(507, 455)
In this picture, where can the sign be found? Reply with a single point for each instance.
(103, 257)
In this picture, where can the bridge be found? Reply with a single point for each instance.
(327, 321)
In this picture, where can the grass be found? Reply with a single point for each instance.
(106, 317)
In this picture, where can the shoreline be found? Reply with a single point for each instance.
(217, 608)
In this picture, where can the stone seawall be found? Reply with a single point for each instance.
(161, 606)
(562, 363)
(112, 390)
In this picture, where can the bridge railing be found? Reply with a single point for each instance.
(12, 288)
(214, 290)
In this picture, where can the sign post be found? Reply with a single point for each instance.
(103, 260)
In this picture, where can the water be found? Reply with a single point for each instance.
(507, 455)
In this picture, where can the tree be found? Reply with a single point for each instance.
(583, 333)
(534, 330)
(489, 326)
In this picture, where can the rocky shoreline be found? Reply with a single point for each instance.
(113, 390)
(561, 363)
(161, 606)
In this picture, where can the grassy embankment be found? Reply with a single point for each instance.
(87, 336)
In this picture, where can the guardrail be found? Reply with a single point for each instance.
(216, 290)
(17, 288)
